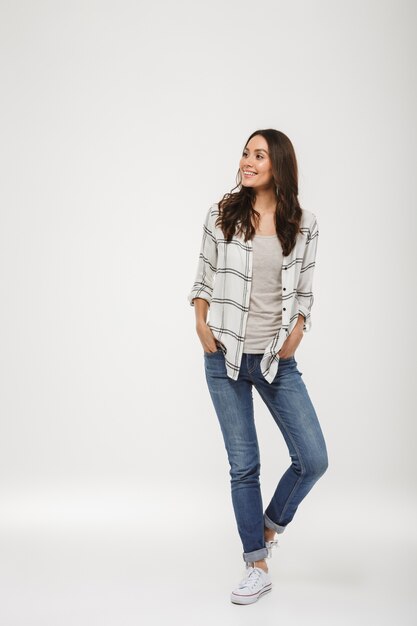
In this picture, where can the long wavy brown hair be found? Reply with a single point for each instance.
(236, 211)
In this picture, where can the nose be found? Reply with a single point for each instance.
(247, 161)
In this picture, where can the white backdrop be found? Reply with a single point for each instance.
(121, 123)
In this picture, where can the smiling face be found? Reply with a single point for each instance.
(255, 165)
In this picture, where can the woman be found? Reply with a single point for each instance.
(255, 274)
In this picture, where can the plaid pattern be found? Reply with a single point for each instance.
(224, 276)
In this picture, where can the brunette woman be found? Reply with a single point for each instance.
(254, 278)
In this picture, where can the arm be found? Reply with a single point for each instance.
(304, 295)
(202, 290)
(201, 309)
(207, 264)
(203, 329)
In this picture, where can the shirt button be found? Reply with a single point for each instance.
(284, 309)
(285, 289)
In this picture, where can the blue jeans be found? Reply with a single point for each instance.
(289, 403)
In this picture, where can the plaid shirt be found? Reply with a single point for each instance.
(224, 277)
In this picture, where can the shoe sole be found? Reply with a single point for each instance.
(236, 599)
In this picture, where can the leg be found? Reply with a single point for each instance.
(289, 403)
(233, 403)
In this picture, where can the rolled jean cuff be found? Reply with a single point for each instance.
(256, 555)
(270, 524)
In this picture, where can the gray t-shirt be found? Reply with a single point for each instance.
(265, 306)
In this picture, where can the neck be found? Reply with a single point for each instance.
(265, 201)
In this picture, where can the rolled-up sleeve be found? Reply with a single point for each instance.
(207, 262)
(305, 295)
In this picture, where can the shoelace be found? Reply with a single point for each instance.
(269, 545)
(251, 578)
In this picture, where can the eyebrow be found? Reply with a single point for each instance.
(257, 150)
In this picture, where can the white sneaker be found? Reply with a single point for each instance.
(252, 586)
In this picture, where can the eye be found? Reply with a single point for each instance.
(260, 155)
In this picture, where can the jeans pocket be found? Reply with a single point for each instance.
(219, 350)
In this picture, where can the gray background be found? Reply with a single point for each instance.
(121, 123)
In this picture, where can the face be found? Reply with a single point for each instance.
(255, 165)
